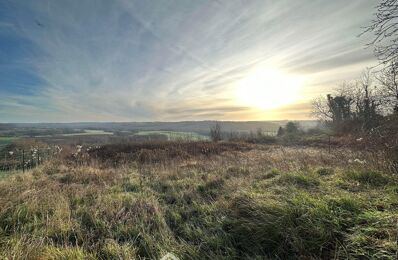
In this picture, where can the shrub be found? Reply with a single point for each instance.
(291, 128)
(262, 139)
(291, 138)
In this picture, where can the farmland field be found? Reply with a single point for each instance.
(175, 136)
(89, 132)
(4, 141)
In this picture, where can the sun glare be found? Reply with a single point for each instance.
(268, 88)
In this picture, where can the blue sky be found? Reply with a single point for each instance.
(126, 60)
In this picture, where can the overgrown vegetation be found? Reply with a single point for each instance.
(368, 106)
(262, 202)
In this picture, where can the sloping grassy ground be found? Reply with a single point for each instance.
(268, 202)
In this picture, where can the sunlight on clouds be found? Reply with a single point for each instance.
(269, 88)
(132, 60)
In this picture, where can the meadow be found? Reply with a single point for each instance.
(202, 200)
(5, 140)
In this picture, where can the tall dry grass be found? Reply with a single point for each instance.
(235, 202)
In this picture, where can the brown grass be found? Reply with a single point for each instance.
(201, 201)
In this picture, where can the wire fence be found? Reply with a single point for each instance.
(24, 159)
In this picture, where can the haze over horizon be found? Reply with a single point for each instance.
(108, 61)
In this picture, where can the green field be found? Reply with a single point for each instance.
(5, 140)
(175, 136)
(90, 132)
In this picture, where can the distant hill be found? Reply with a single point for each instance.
(201, 127)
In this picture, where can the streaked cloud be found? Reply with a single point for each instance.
(169, 60)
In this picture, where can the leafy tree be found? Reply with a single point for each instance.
(340, 108)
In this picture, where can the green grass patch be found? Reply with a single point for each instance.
(323, 171)
(366, 177)
(89, 132)
(5, 140)
(299, 179)
(281, 230)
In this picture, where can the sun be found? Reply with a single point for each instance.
(268, 88)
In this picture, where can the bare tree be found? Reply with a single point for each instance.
(321, 110)
(345, 88)
(215, 132)
(335, 110)
(388, 80)
(385, 29)
(354, 104)
(368, 101)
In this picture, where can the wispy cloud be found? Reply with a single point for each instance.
(160, 60)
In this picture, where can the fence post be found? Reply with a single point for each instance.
(38, 157)
(23, 160)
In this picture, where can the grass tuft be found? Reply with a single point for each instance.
(299, 179)
(323, 171)
(366, 177)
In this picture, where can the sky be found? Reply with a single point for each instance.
(153, 60)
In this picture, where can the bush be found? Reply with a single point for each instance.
(262, 139)
(291, 139)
